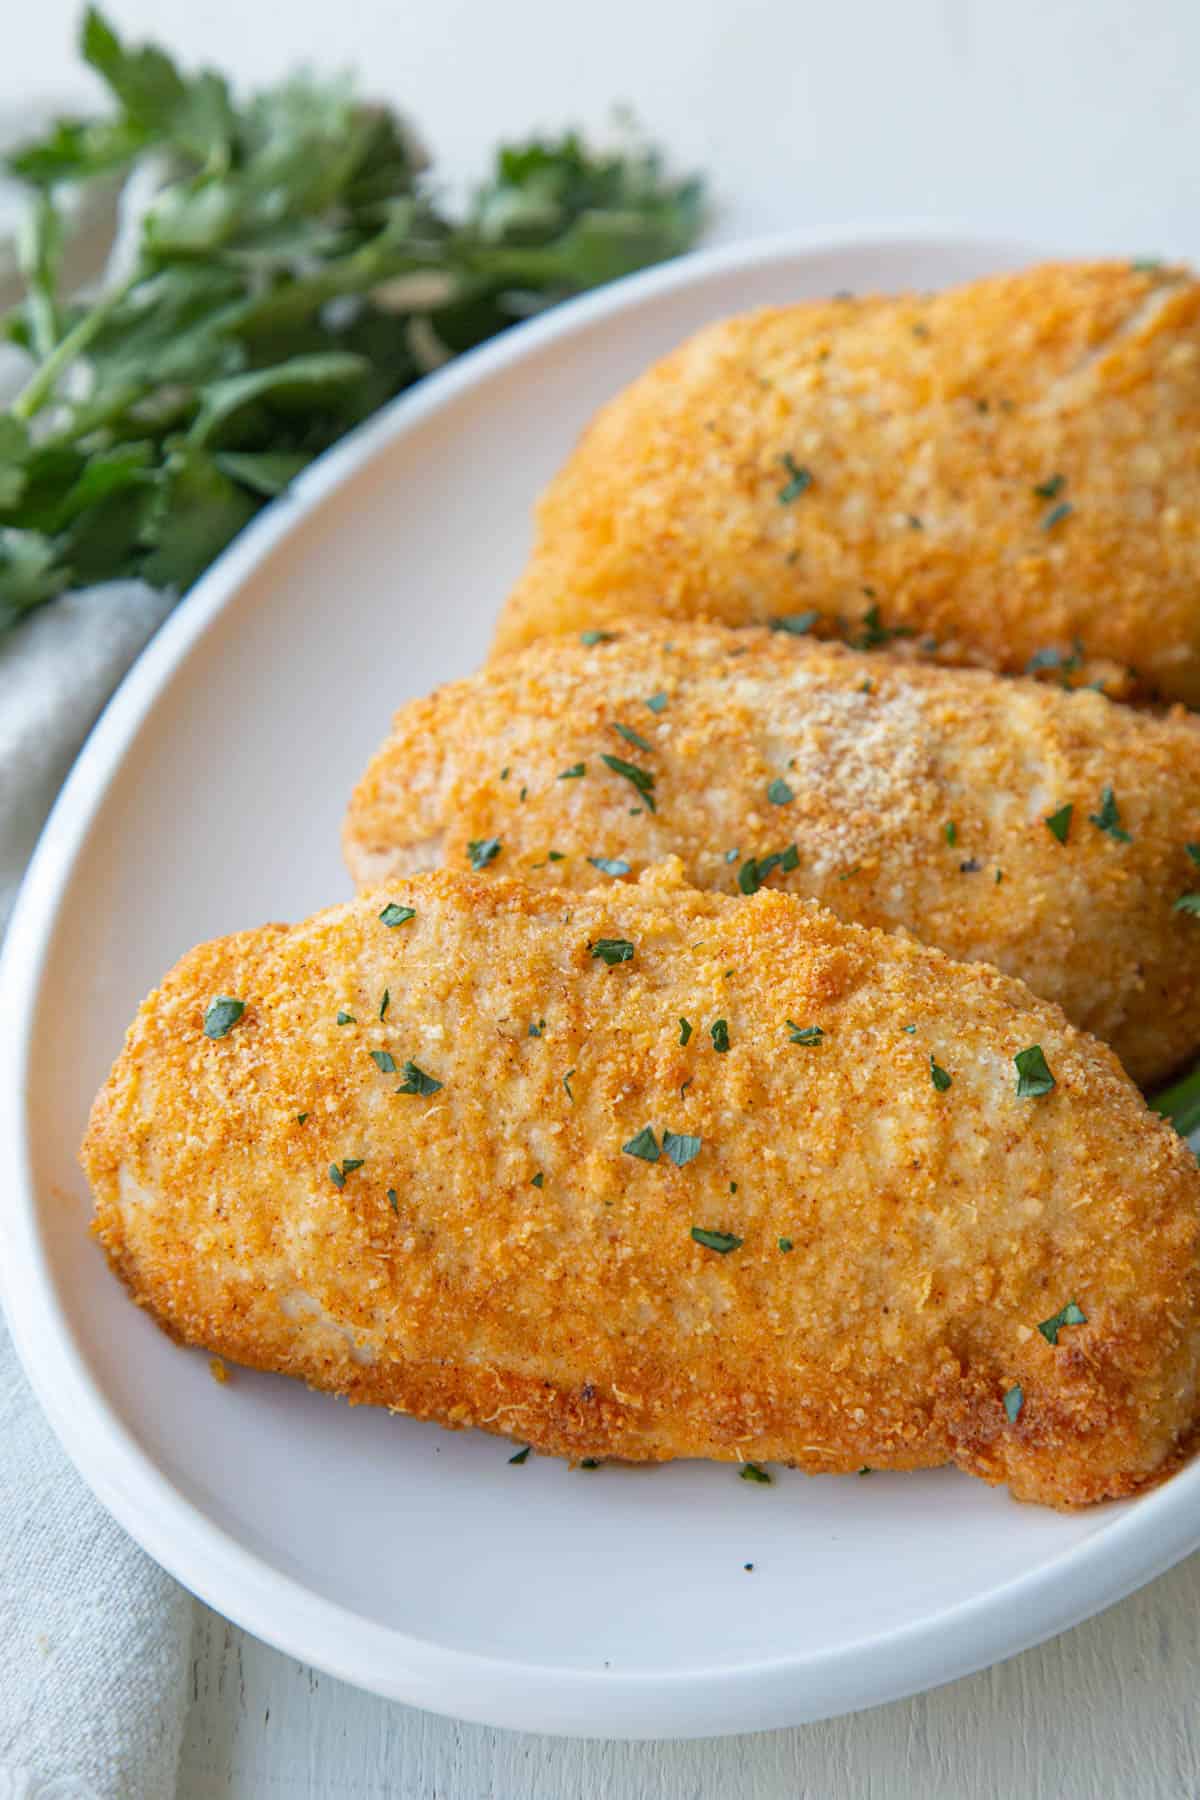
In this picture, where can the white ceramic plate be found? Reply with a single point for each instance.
(410, 1560)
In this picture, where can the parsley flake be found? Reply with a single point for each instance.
(754, 870)
(1071, 1314)
(393, 1201)
(1059, 823)
(719, 1032)
(612, 950)
(416, 1081)
(779, 793)
(346, 1018)
(338, 1175)
(799, 480)
(752, 1472)
(573, 773)
(1109, 818)
(804, 1034)
(610, 865)
(1033, 1073)
(385, 1003)
(539, 1180)
(940, 1078)
(720, 1241)
(1050, 490)
(786, 1244)
(656, 702)
(685, 1031)
(384, 1061)
(641, 779)
(644, 1146)
(1057, 514)
(300, 1118)
(795, 624)
(1193, 851)
(221, 1015)
(537, 1030)
(631, 737)
(951, 832)
(595, 637)
(680, 1147)
(521, 1456)
(482, 851)
(393, 915)
(1014, 1400)
(567, 1085)
(1188, 903)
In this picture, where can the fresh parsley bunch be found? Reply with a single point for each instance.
(292, 271)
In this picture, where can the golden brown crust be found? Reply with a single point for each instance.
(932, 1230)
(927, 424)
(880, 759)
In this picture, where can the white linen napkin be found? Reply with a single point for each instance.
(95, 1637)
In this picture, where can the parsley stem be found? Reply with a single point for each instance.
(42, 383)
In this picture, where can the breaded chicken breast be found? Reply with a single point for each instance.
(963, 807)
(1008, 470)
(649, 1173)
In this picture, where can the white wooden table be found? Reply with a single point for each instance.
(1057, 120)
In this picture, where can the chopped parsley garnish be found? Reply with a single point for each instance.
(657, 702)
(799, 480)
(300, 1118)
(680, 1147)
(910, 1029)
(1060, 822)
(555, 856)
(1193, 851)
(567, 1085)
(612, 950)
(641, 779)
(786, 1244)
(393, 915)
(972, 866)
(1071, 1314)
(590, 1462)
(951, 831)
(521, 1456)
(1033, 1072)
(731, 856)
(482, 851)
(752, 1472)
(1050, 490)
(916, 523)
(779, 793)
(416, 1081)
(539, 1180)
(685, 1031)
(940, 1078)
(631, 737)
(573, 773)
(874, 632)
(537, 1030)
(393, 1201)
(504, 774)
(804, 1034)
(754, 870)
(384, 1061)
(1057, 514)
(221, 1015)
(795, 624)
(1014, 1400)
(1109, 818)
(719, 1032)
(338, 1174)
(1188, 903)
(346, 1018)
(720, 1241)
(644, 1146)
(595, 637)
(385, 1003)
(610, 865)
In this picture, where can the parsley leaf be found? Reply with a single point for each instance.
(719, 1032)
(1071, 1314)
(804, 1034)
(393, 915)
(1188, 903)
(1014, 1400)
(612, 951)
(752, 1472)
(338, 1174)
(573, 773)
(795, 624)
(644, 1146)
(754, 870)
(685, 1031)
(779, 793)
(591, 638)
(384, 1061)
(1057, 514)
(610, 865)
(1049, 490)
(951, 832)
(538, 1180)
(786, 1244)
(641, 779)
(720, 1241)
(416, 1081)
(656, 702)
(1109, 818)
(385, 1003)
(1059, 823)
(346, 1018)
(482, 851)
(521, 1456)
(681, 1148)
(799, 480)
(939, 1076)
(1033, 1073)
(221, 1015)
(631, 737)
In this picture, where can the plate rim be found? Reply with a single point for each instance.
(1140, 1544)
